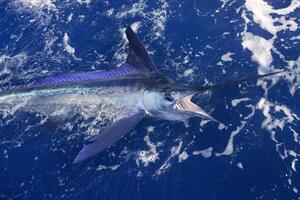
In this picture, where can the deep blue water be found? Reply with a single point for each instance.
(194, 42)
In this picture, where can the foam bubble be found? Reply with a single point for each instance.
(229, 148)
(150, 156)
(183, 156)
(235, 102)
(260, 48)
(84, 1)
(227, 57)
(240, 165)
(37, 4)
(175, 150)
(206, 153)
(68, 48)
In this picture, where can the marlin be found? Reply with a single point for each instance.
(126, 95)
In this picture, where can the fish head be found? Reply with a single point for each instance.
(175, 104)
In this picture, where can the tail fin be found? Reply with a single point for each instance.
(237, 81)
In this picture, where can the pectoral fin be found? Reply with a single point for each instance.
(110, 135)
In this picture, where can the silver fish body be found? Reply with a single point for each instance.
(109, 101)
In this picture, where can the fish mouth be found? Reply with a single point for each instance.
(186, 105)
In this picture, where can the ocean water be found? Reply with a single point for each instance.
(252, 154)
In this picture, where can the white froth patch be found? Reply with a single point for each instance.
(240, 165)
(262, 15)
(68, 48)
(37, 4)
(295, 134)
(188, 72)
(273, 21)
(204, 122)
(110, 12)
(227, 57)
(136, 8)
(8, 64)
(295, 38)
(183, 156)
(221, 126)
(160, 18)
(103, 167)
(69, 18)
(175, 150)
(235, 102)
(135, 26)
(84, 1)
(270, 123)
(3, 59)
(150, 129)
(229, 148)
(157, 16)
(150, 156)
(224, 2)
(260, 48)
(206, 153)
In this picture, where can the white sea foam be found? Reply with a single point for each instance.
(206, 153)
(227, 57)
(183, 156)
(271, 123)
(157, 16)
(260, 48)
(295, 134)
(136, 25)
(240, 165)
(230, 145)
(70, 17)
(229, 148)
(235, 102)
(8, 64)
(188, 72)
(110, 12)
(221, 126)
(150, 156)
(68, 48)
(295, 37)
(36, 4)
(175, 150)
(262, 14)
(84, 1)
(103, 167)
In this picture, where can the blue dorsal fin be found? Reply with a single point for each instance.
(82, 77)
(138, 56)
(138, 60)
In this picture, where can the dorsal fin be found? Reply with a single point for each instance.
(138, 60)
(82, 77)
(138, 56)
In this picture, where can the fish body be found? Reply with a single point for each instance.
(124, 95)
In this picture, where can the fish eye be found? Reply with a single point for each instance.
(169, 97)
